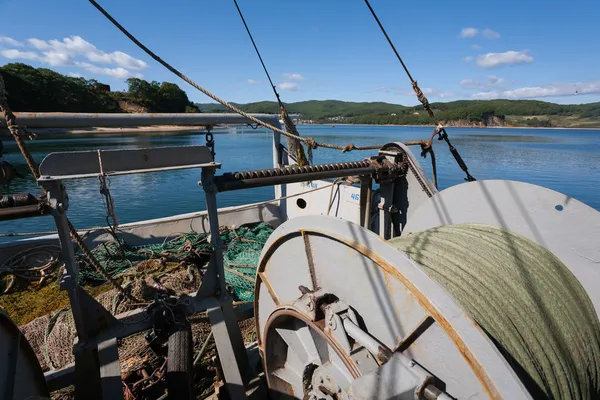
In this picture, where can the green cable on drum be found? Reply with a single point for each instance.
(527, 301)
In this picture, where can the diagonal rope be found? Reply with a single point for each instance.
(18, 132)
(309, 141)
(439, 130)
(294, 145)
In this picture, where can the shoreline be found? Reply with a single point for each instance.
(467, 127)
(174, 129)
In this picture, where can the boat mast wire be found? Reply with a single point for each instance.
(294, 146)
(439, 130)
(258, 53)
(309, 141)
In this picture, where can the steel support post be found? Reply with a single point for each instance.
(228, 338)
(88, 315)
(59, 203)
(87, 373)
(210, 191)
(366, 183)
(386, 207)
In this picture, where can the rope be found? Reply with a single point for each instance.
(18, 132)
(526, 300)
(439, 130)
(105, 192)
(293, 144)
(258, 53)
(221, 101)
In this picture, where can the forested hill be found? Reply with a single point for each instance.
(462, 112)
(44, 90)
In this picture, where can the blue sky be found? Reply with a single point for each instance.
(327, 49)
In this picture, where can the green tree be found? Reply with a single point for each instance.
(171, 98)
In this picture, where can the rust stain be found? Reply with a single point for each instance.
(476, 367)
(265, 280)
(469, 358)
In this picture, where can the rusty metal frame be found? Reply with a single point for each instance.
(381, 256)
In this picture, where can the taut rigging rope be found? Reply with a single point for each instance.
(439, 130)
(294, 145)
(309, 141)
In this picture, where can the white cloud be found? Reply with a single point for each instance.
(117, 58)
(293, 77)
(114, 72)
(446, 95)
(555, 90)
(486, 95)
(75, 75)
(469, 58)
(74, 46)
(14, 54)
(292, 86)
(253, 82)
(38, 44)
(10, 41)
(469, 83)
(430, 92)
(490, 82)
(70, 51)
(56, 59)
(494, 60)
(476, 46)
(493, 80)
(466, 33)
(490, 34)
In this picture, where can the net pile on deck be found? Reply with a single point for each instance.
(174, 266)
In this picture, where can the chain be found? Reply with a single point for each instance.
(442, 135)
(210, 140)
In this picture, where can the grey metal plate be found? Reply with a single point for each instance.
(565, 226)
(85, 164)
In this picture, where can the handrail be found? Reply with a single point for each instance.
(80, 120)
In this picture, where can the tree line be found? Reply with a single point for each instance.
(469, 111)
(44, 90)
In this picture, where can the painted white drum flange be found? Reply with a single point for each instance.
(390, 293)
(567, 227)
(21, 375)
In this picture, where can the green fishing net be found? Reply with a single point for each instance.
(244, 245)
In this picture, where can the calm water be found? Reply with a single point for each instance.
(567, 161)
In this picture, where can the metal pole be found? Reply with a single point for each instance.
(34, 210)
(375, 347)
(210, 190)
(83, 120)
(228, 337)
(87, 368)
(59, 203)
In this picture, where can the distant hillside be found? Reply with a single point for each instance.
(462, 112)
(44, 90)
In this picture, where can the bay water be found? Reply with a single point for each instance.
(565, 160)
